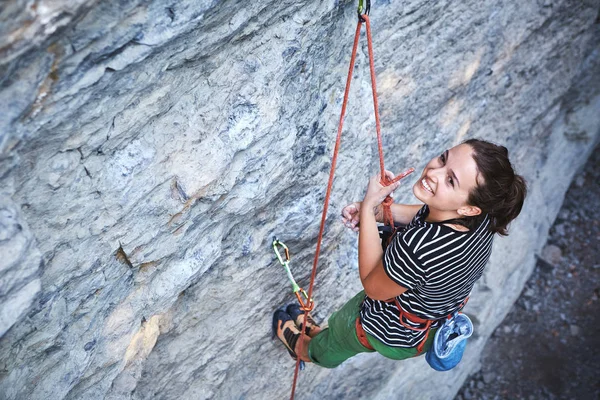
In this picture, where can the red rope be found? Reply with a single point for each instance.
(385, 181)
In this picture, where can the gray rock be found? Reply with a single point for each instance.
(552, 254)
(150, 151)
(489, 377)
(564, 214)
(467, 395)
(574, 330)
(19, 265)
(560, 228)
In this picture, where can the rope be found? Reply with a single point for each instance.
(384, 180)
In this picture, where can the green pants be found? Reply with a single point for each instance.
(338, 342)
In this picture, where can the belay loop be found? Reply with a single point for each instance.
(307, 305)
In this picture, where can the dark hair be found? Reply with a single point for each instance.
(499, 193)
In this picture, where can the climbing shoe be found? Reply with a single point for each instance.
(297, 315)
(285, 330)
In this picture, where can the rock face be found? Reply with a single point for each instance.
(150, 150)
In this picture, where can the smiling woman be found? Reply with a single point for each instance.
(443, 191)
(470, 192)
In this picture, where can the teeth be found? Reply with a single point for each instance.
(424, 182)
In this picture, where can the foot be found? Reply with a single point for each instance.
(286, 331)
(296, 313)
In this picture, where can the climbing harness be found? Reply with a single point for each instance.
(364, 7)
(285, 262)
(415, 319)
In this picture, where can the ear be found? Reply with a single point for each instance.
(469, 211)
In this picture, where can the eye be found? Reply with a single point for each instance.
(451, 180)
(443, 158)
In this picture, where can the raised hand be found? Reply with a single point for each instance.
(376, 192)
(351, 216)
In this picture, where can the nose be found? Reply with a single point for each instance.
(435, 174)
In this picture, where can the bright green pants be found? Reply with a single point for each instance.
(338, 342)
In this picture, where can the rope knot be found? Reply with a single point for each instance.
(388, 201)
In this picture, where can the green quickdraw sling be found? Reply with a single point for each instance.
(306, 304)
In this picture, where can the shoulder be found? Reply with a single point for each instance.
(414, 235)
(424, 234)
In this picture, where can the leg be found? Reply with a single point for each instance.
(312, 328)
(338, 342)
(302, 348)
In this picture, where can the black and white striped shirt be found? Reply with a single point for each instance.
(438, 265)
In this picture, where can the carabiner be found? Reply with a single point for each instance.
(276, 243)
(362, 9)
(307, 305)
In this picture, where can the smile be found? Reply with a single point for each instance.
(426, 186)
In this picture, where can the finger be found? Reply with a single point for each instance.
(387, 190)
(346, 212)
(405, 174)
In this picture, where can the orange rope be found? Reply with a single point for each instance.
(384, 180)
(387, 203)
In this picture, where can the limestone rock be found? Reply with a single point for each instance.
(19, 265)
(150, 150)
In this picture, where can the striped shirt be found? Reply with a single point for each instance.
(437, 265)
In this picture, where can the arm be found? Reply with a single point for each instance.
(377, 284)
(402, 214)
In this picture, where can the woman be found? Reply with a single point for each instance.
(470, 192)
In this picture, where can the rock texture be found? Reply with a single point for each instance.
(150, 150)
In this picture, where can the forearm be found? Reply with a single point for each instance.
(403, 213)
(370, 253)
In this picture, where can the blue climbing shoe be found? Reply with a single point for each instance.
(285, 330)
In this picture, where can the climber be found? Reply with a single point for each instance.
(470, 192)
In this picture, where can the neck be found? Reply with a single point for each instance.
(436, 215)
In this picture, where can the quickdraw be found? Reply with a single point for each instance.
(307, 304)
(362, 9)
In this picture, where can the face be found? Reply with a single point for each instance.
(447, 180)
